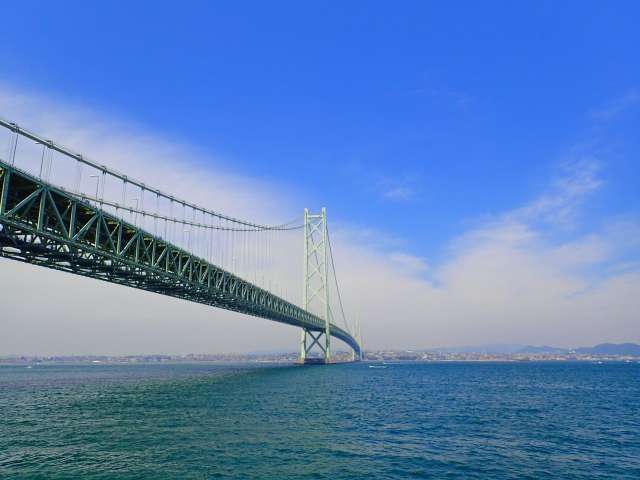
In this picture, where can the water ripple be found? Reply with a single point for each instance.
(202, 421)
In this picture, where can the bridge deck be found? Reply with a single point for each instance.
(48, 226)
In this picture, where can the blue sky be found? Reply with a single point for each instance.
(423, 121)
(415, 116)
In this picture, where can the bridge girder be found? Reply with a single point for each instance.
(47, 226)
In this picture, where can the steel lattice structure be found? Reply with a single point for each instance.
(315, 288)
(46, 225)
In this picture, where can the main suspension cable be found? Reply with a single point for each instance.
(114, 173)
(133, 210)
(335, 278)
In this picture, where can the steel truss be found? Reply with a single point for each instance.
(45, 225)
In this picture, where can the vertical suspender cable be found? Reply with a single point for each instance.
(155, 220)
(44, 149)
(13, 146)
(78, 176)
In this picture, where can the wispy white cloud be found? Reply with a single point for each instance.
(509, 278)
(616, 106)
(396, 188)
(170, 164)
(398, 193)
(409, 262)
(559, 205)
(393, 186)
(131, 321)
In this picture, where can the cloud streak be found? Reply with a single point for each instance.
(560, 205)
(514, 277)
(396, 188)
(614, 108)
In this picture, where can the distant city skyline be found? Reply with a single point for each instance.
(628, 352)
(482, 186)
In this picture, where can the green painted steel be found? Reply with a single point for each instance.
(315, 285)
(48, 226)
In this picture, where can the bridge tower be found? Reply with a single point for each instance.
(315, 288)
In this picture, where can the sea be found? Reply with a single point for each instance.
(477, 420)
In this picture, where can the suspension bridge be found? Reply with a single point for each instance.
(61, 210)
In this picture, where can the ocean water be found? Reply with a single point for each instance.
(411, 420)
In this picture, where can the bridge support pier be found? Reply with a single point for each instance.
(309, 340)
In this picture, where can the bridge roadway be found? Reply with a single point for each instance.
(48, 226)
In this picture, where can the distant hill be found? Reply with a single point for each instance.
(631, 349)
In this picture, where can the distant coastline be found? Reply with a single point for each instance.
(483, 353)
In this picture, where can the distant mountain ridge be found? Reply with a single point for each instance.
(630, 349)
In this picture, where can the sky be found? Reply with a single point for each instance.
(479, 161)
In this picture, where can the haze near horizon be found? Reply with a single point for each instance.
(479, 191)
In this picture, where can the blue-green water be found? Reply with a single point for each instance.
(200, 421)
